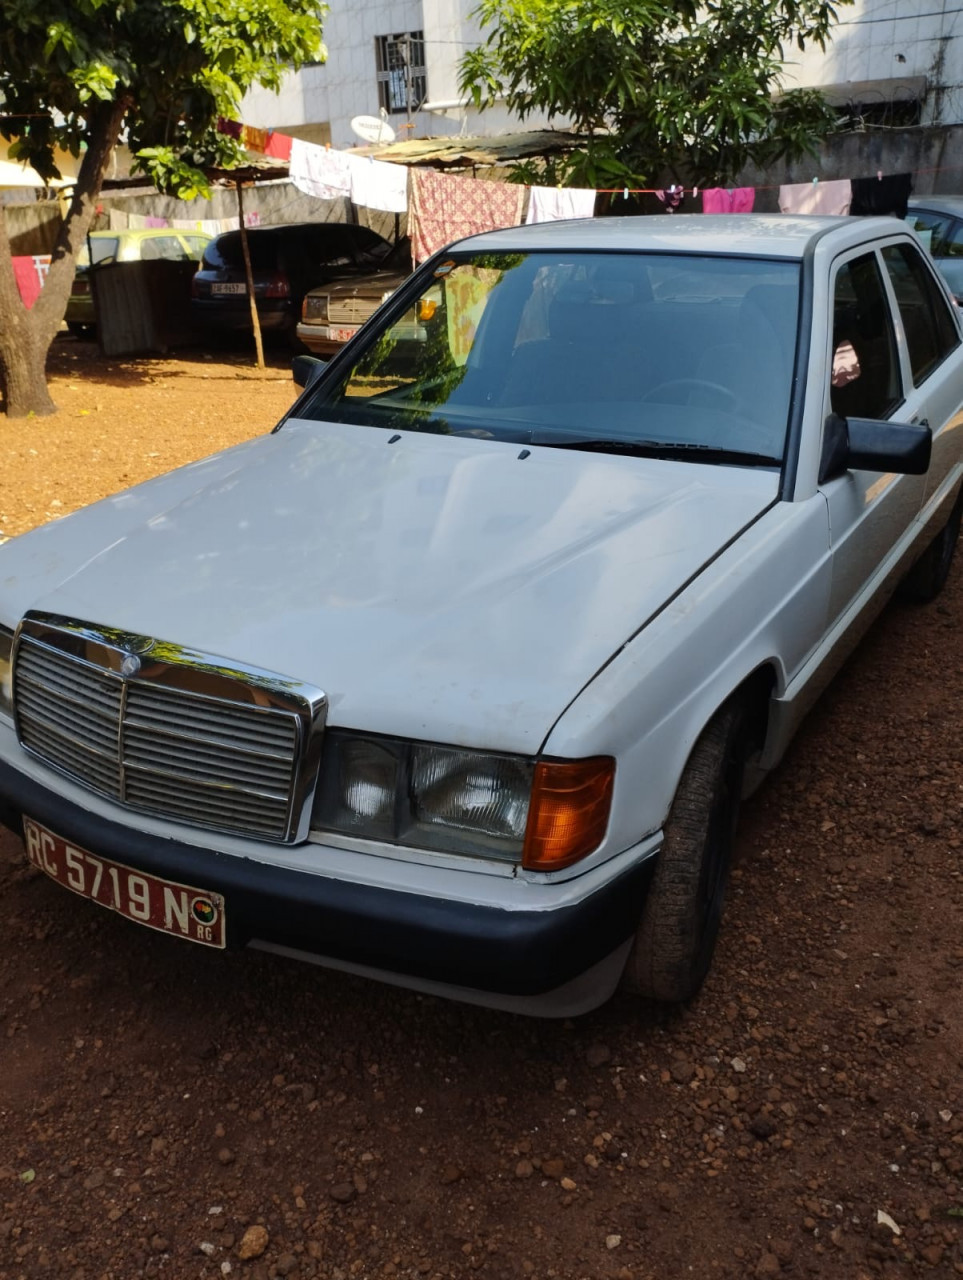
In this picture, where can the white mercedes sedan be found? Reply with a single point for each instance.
(457, 677)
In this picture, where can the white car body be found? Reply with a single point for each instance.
(565, 606)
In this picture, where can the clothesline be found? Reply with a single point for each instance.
(447, 207)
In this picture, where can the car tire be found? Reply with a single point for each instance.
(680, 922)
(928, 576)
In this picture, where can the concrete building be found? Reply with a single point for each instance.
(393, 59)
(895, 63)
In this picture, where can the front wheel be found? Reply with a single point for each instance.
(680, 922)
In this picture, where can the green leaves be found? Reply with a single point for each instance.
(174, 64)
(656, 85)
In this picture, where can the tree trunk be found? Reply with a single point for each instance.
(25, 336)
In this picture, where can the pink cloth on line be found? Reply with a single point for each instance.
(728, 200)
(445, 209)
(816, 197)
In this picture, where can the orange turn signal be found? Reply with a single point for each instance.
(568, 813)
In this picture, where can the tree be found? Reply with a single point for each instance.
(77, 73)
(655, 86)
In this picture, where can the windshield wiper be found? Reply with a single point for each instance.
(655, 449)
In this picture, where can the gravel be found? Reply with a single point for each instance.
(170, 1112)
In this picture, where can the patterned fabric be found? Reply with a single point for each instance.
(556, 204)
(728, 200)
(816, 197)
(445, 209)
(318, 171)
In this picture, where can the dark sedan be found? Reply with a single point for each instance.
(286, 262)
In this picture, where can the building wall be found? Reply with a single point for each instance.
(883, 48)
(318, 103)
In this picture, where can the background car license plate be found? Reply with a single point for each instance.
(180, 909)
(341, 335)
(228, 288)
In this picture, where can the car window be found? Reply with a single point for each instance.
(935, 230)
(693, 351)
(168, 248)
(195, 246)
(226, 251)
(100, 249)
(865, 380)
(931, 333)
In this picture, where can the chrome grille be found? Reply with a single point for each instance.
(351, 310)
(69, 713)
(237, 763)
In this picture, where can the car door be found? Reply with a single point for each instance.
(931, 326)
(869, 512)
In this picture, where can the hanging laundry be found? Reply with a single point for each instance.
(445, 209)
(728, 200)
(816, 197)
(231, 127)
(882, 194)
(376, 184)
(318, 171)
(557, 204)
(278, 145)
(671, 197)
(156, 224)
(253, 139)
(117, 220)
(30, 272)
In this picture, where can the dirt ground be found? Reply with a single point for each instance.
(170, 1112)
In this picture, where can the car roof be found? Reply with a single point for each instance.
(744, 234)
(939, 204)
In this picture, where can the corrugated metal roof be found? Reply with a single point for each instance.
(462, 152)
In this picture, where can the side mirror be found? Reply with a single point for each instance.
(863, 444)
(307, 369)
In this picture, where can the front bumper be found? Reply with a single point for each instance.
(408, 937)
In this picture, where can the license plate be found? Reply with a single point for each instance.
(165, 905)
(341, 335)
(228, 288)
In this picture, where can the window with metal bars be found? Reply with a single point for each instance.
(402, 81)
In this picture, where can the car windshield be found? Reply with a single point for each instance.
(682, 355)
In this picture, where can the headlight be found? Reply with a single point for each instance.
(314, 308)
(543, 814)
(6, 672)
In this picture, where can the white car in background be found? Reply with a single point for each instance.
(456, 679)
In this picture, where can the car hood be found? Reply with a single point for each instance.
(374, 284)
(435, 587)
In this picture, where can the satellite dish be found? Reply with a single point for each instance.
(371, 129)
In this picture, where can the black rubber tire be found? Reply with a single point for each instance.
(680, 922)
(928, 576)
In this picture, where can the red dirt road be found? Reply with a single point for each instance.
(167, 1111)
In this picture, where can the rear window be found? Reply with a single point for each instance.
(98, 249)
(272, 248)
(227, 251)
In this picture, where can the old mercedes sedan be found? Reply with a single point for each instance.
(457, 677)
